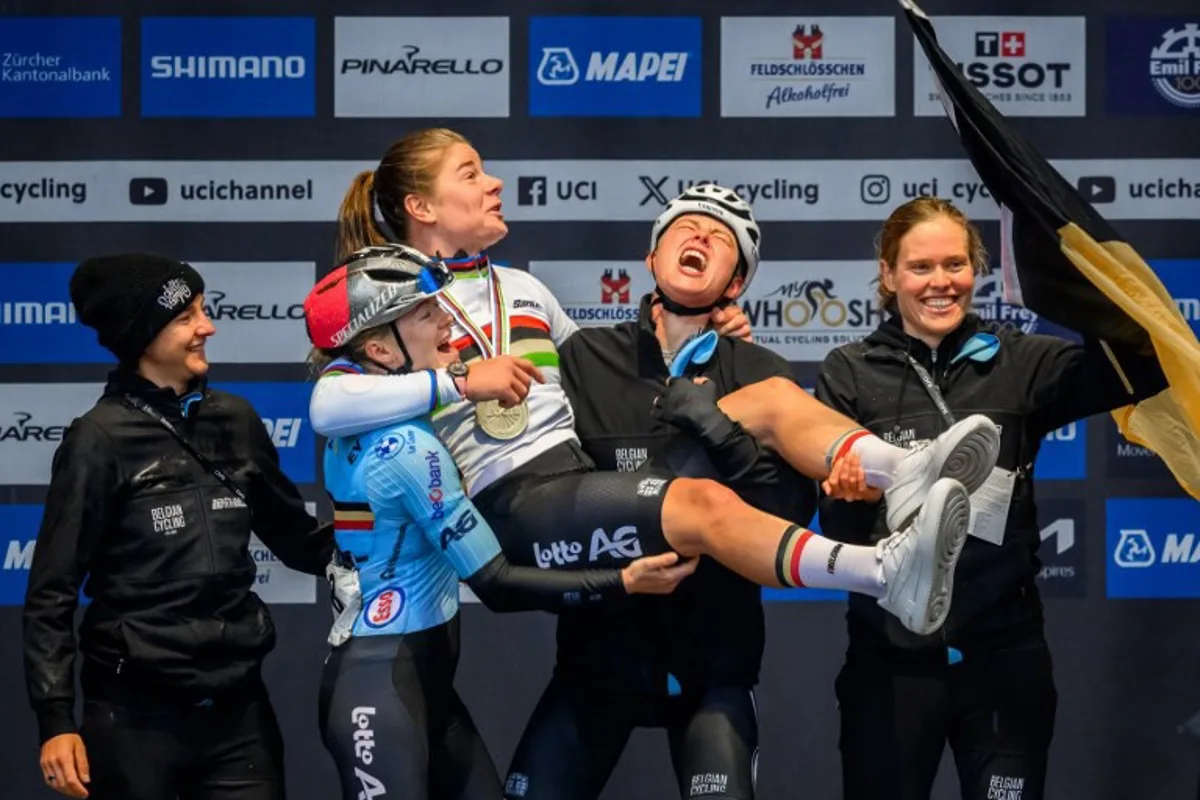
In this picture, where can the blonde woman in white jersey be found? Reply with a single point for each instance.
(522, 463)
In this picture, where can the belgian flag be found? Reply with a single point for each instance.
(1064, 261)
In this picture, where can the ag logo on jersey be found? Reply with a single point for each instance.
(465, 523)
(623, 544)
(384, 607)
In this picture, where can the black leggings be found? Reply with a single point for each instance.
(995, 709)
(576, 735)
(392, 721)
(557, 512)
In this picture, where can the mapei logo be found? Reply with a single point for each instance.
(614, 289)
(1063, 454)
(284, 431)
(1155, 547)
(228, 67)
(21, 523)
(283, 408)
(614, 66)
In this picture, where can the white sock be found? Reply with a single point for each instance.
(806, 559)
(879, 459)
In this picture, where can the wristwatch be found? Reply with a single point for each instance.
(458, 371)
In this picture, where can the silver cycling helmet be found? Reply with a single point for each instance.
(373, 286)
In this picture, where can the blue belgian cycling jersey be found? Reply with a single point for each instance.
(400, 511)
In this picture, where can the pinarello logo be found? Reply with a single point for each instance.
(384, 607)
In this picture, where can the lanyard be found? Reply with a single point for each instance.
(216, 471)
(501, 335)
(931, 388)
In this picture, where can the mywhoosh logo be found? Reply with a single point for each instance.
(228, 67)
(1153, 65)
(60, 67)
(614, 66)
(825, 66)
(1026, 66)
(421, 67)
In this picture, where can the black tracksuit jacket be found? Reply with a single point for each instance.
(163, 545)
(710, 631)
(1031, 387)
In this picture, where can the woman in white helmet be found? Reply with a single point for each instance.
(688, 663)
(524, 467)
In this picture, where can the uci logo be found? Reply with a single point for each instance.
(623, 544)
(384, 607)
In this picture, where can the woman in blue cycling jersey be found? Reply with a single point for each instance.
(390, 715)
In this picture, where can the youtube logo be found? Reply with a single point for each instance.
(148, 191)
(1098, 188)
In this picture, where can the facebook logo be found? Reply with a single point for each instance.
(531, 191)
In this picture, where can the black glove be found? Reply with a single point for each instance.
(692, 407)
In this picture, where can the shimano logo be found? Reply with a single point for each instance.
(1189, 307)
(623, 544)
(219, 311)
(22, 431)
(228, 67)
(37, 314)
(410, 64)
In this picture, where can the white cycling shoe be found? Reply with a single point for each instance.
(918, 562)
(967, 453)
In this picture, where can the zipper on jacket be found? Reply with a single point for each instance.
(120, 665)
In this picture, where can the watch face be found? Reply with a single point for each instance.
(457, 368)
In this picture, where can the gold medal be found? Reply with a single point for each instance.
(502, 423)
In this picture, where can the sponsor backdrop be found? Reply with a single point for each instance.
(225, 133)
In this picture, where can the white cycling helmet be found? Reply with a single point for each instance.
(723, 205)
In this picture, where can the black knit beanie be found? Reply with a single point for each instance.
(129, 297)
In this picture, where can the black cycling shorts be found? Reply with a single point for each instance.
(392, 721)
(557, 512)
(576, 735)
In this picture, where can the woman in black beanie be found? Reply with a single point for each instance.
(153, 494)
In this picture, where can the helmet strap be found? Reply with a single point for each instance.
(404, 368)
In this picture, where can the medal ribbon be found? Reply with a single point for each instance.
(501, 335)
